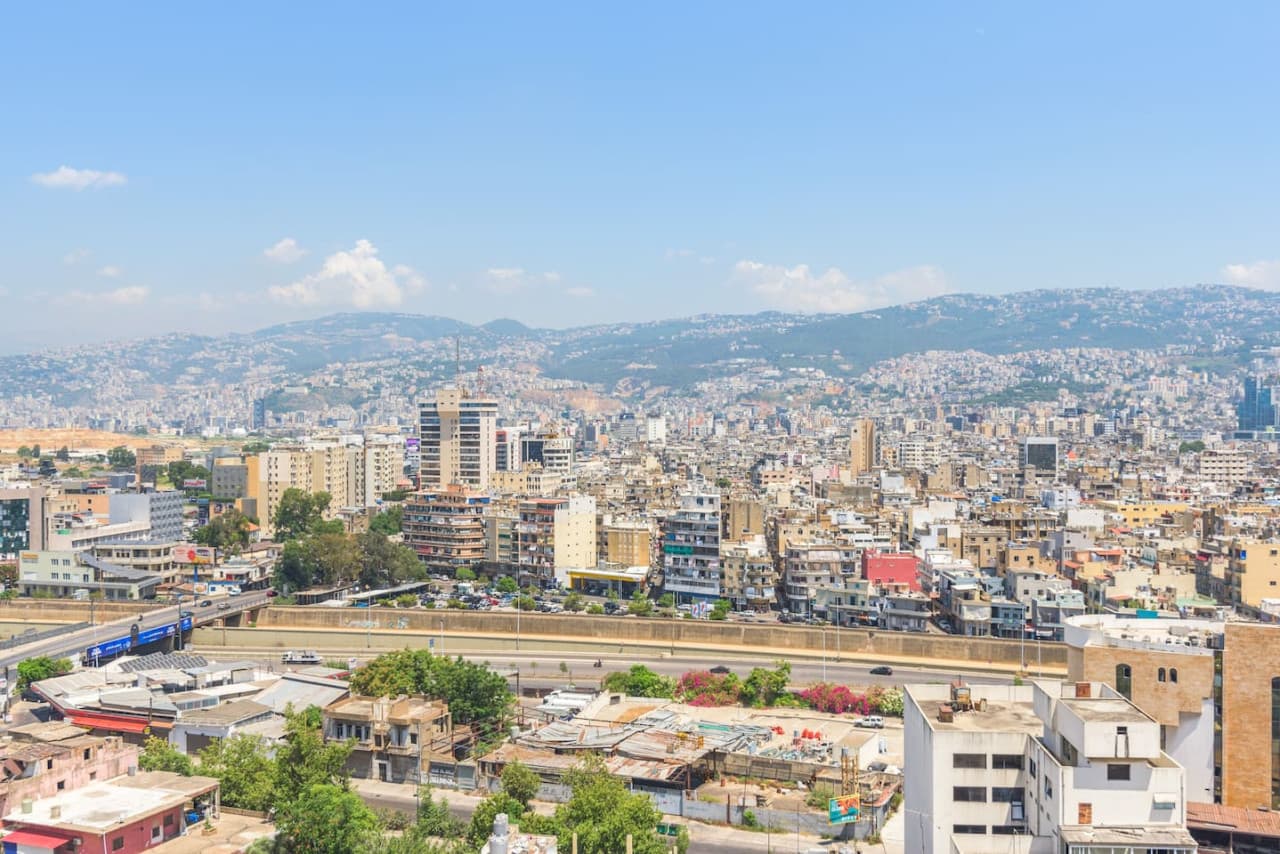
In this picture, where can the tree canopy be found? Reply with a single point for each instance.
(41, 667)
(639, 681)
(388, 522)
(159, 755)
(244, 766)
(121, 458)
(299, 513)
(227, 532)
(475, 693)
(326, 819)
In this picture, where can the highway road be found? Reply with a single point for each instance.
(73, 643)
(542, 670)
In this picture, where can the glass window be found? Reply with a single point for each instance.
(969, 760)
(1173, 674)
(1006, 795)
(1160, 675)
(1008, 761)
(1118, 772)
(970, 794)
(1124, 680)
(969, 828)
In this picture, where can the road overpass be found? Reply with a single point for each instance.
(79, 638)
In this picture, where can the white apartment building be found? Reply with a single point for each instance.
(381, 467)
(1046, 768)
(691, 548)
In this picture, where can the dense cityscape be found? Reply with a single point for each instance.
(781, 602)
(665, 428)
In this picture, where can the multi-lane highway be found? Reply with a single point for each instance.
(73, 643)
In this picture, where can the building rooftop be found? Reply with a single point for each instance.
(1105, 710)
(98, 807)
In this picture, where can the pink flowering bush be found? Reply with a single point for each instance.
(835, 699)
(704, 688)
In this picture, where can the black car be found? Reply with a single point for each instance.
(720, 670)
(206, 603)
(882, 670)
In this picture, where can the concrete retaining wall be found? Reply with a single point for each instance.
(69, 611)
(660, 633)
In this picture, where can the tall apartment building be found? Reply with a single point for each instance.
(162, 511)
(919, 451)
(1223, 466)
(1046, 767)
(554, 535)
(862, 447)
(1040, 453)
(691, 548)
(807, 568)
(458, 441)
(750, 579)
(229, 478)
(381, 467)
(743, 518)
(507, 450)
(1256, 410)
(446, 528)
(312, 468)
(22, 522)
(551, 449)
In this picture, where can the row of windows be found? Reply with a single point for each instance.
(981, 829)
(999, 761)
(978, 794)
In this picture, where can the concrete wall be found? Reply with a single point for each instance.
(660, 633)
(69, 611)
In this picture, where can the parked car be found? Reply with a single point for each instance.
(720, 670)
(882, 670)
(206, 603)
(223, 606)
(871, 722)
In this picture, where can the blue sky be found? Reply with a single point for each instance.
(242, 164)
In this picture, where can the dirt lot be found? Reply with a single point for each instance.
(51, 440)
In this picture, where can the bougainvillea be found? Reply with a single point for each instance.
(704, 688)
(835, 699)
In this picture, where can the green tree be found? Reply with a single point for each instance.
(520, 782)
(595, 608)
(603, 813)
(763, 687)
(35, 452)
(334, 558)
(720, 610)
(489, 809)
(159, 755)
(473, 692)
(507, 584)
(256, 447)
(525, 602)
(890, 703)
(181, 470)
(640, 604)
(73, 473)
(293, 570)
(639, 681)
(63, 454)
(463, 573)
(389, 521)
(326, 819)
(299, 512)
(24, 452)
(1193, 447)
(384, 563)
(574, 602)
(41, 667)
(121, 458)
(245, 769)
(227, 532)
(667, 601)
(304, 759)
(434, 817)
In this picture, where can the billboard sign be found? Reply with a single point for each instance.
(193, 554)
(845, 809)
(195, 483)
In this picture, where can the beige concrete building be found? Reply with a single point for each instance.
(458, 436)
(862, 447)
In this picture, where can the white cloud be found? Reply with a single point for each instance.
(356, 277)
(509, 280)
(285, 251)
(580, 292)
(799, 288)
(75, 256)
(111, 271)
(128, 295)
(1259, 274)
(66, 178)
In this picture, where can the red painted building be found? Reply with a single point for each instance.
(121, 816)
(898, 568)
